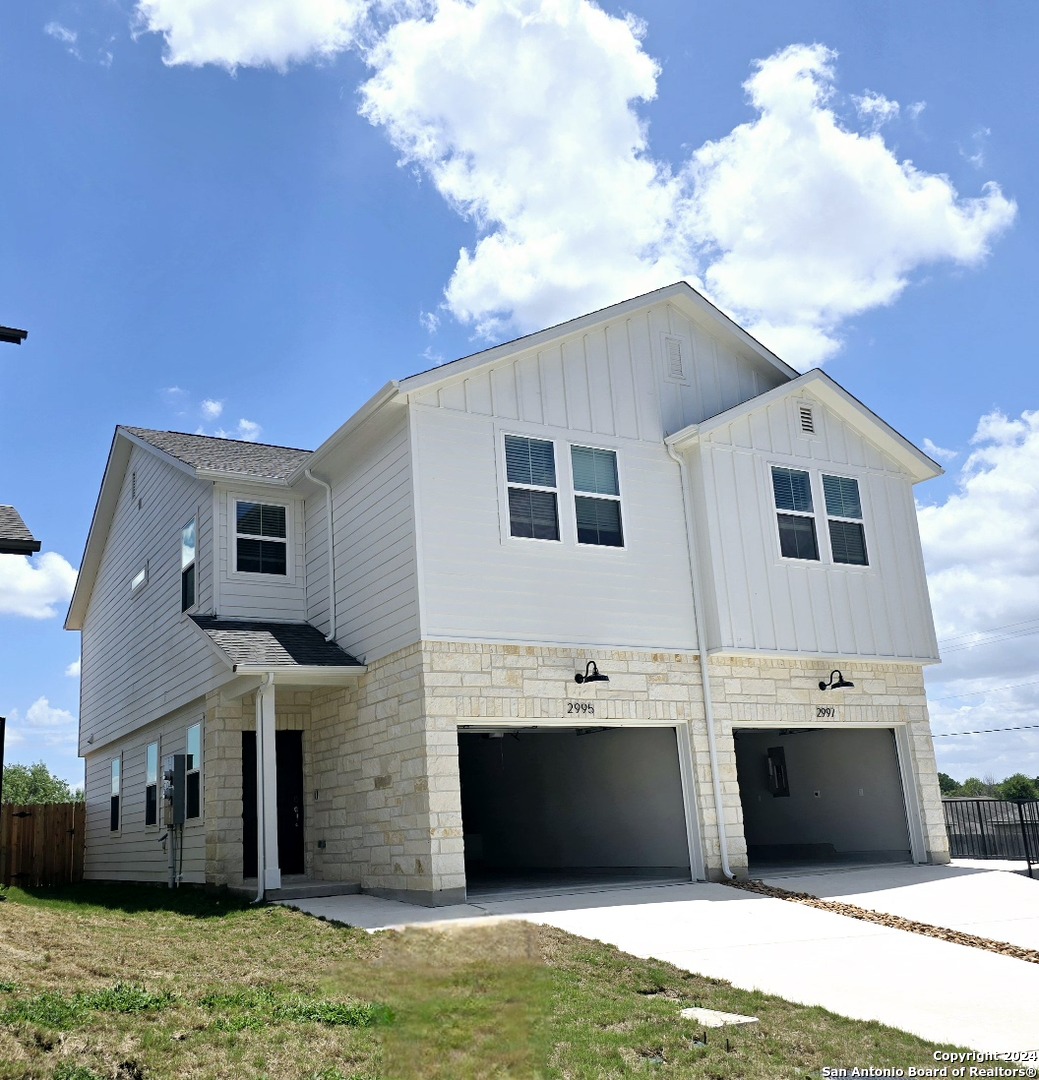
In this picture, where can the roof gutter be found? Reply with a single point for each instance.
(705, 674)
(332, 594)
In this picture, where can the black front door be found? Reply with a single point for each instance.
(288, 753)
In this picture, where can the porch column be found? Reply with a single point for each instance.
(268, 870)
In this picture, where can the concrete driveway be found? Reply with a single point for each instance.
(937, 990)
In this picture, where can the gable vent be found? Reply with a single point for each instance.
(133, 485)
(807, 419)
(674, 358)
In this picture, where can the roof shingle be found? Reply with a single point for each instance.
(273, 644)
(15, 538)
(261, 460)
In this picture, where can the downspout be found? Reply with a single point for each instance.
(330, 636)
(701, 641)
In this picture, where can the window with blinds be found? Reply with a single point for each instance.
(261, 541)
(844, 520)
(792, 492)
(530, 473)
(597, 496)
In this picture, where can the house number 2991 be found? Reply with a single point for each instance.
(580, 707)
(825, 710)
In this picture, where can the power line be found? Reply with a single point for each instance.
(990, 630)
(986, 731)
(981, 693)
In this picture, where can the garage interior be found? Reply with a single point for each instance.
(546, 810)
(821, 796)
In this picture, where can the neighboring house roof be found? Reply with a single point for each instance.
(846, 405)
(272, 645)
(207, 454)
(15, 538)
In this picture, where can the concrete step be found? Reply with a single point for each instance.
(300, 890)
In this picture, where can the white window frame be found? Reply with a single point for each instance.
(115, 801)
(156, 784)
(860, 521)
(191, 523)
(507, 484)
(819, 514)
(289, 577)
(195, 769)
(139, 580)
(575, 494)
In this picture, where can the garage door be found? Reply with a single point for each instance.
(821, 795)
(572, 805)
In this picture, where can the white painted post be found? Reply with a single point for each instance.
(268, 870)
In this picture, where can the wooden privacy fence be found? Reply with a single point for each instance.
(41, 844)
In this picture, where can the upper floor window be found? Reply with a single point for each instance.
(151, 784)
(597, 496)
(530, 471)
(844, 520)
(261, 538)
(187, 566)
(193, 766)
(792, 491)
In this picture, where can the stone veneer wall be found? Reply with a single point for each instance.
(381, 757)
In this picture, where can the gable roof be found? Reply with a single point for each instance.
(680, 293)
(258, 644)
(15, 538)
(210, 456)
(846, 405)
(205, 457)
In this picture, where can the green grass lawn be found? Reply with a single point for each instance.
(131, 982)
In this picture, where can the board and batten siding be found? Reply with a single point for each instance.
(141, 656)
(134, 852)
(259, 596)
(374, 521)
(615, 379)
(480, 583)
(762, 602)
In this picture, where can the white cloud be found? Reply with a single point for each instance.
(61, 33)
(35, 588)
(251, 33)
(805, 223)
(42, 725)
(981, 547)
(73, 670)
(524, 114)
(939, 453)
(876, 109)
(249, 430)
(211, 409)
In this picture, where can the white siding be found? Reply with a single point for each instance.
(141, 656)
(260, 596)
(374, 521)
(480, 583)
(760, 601)
(134, 852)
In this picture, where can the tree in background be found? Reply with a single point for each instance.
(974, 787)
(25, 784)
(1018, 786)
(947, 784)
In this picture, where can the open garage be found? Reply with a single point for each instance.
(564, 807)
(821, 795)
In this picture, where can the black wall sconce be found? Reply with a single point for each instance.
(591, 674)
(837, 682)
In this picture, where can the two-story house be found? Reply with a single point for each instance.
(627, 597)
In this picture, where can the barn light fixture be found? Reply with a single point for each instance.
(837, 682)
(591, 674)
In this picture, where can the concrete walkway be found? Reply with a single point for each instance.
(940, 991)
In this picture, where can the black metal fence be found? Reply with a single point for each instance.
(993, 829)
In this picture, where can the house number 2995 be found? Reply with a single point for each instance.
(825, 710)
(580, 707)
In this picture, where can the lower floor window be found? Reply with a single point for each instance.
(117, 781)
(797, 537)
(193, 784)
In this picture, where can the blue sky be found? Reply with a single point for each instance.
(202, 199)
